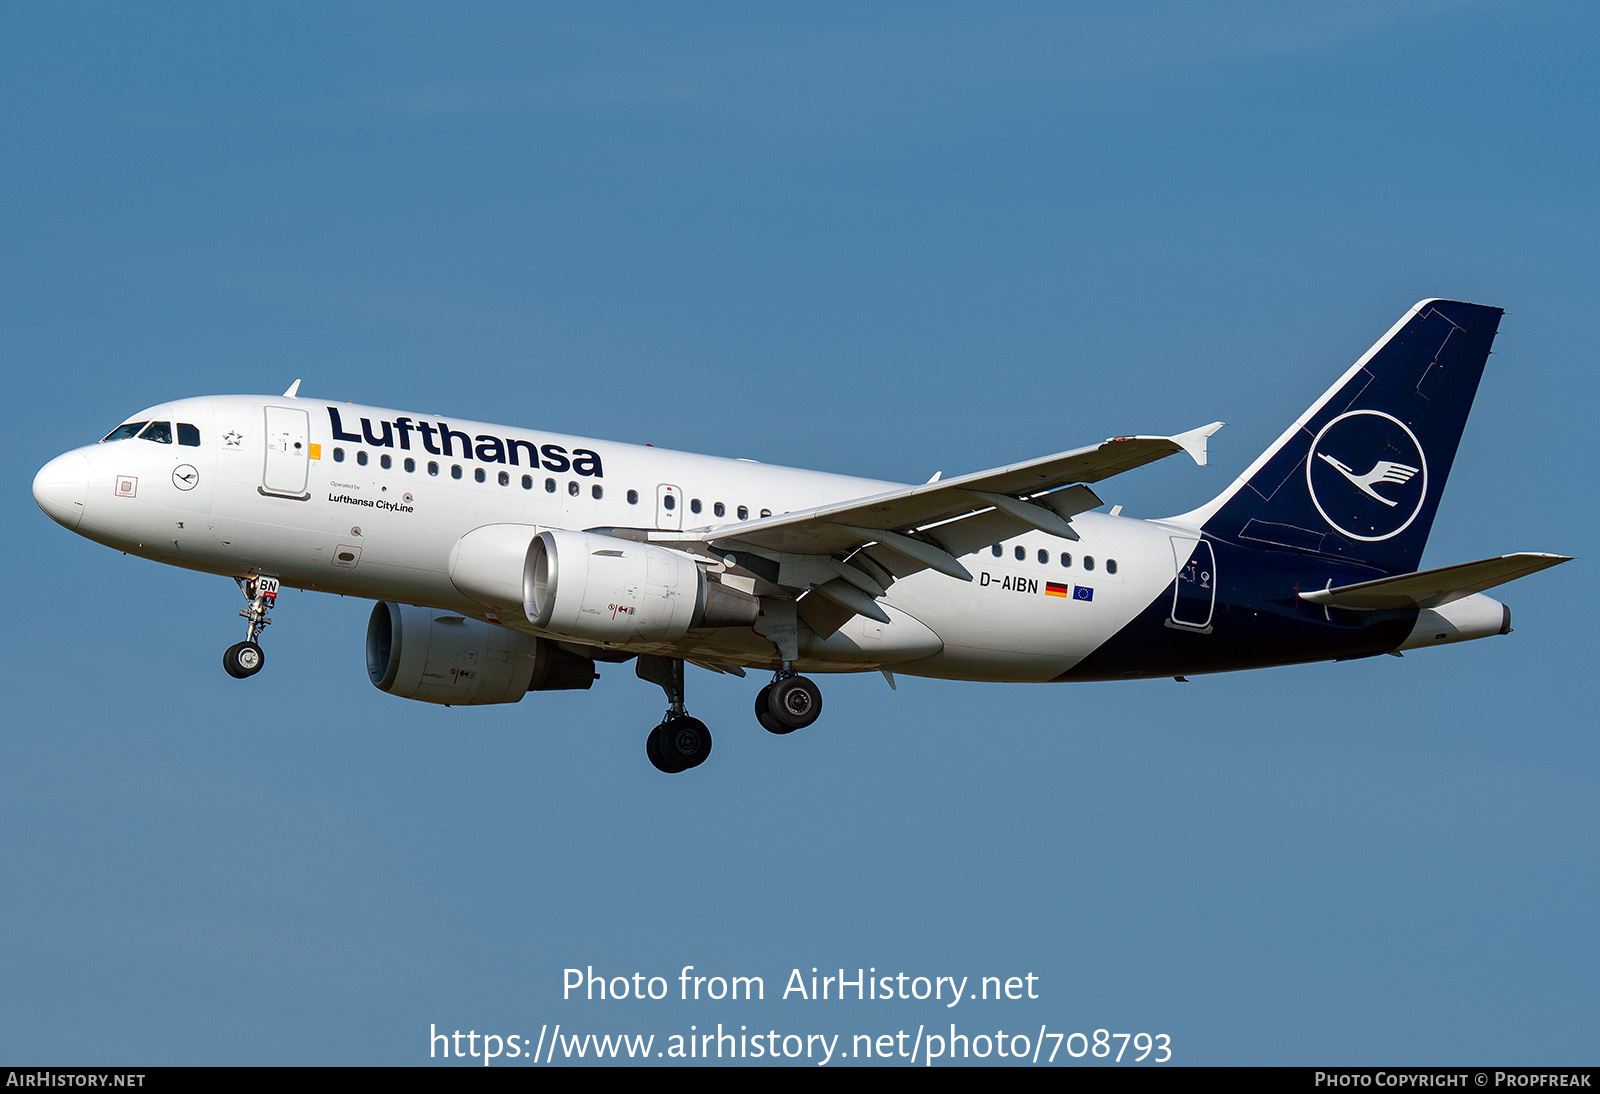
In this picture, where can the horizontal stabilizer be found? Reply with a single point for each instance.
(1432, 588)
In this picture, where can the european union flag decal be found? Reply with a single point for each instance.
(1082, 592)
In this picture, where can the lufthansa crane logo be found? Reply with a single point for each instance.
(1382, 471)
(1367, 475)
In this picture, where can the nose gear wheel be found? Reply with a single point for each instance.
(243, 659)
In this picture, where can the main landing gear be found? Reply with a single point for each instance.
(680, 741)
(789, 703)
(245, 658)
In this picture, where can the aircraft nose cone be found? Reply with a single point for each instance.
(60, 488)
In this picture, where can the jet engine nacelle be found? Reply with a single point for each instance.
(603, 589)
(442, 657)
(592, 587)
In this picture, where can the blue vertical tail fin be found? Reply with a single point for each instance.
(1358, 477)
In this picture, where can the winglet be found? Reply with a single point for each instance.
(1194, 441)
(294, 390)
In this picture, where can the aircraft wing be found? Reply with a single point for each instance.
(1432, 588)
(926, 526)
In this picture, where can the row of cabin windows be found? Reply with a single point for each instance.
(718, 509)
(386, 462)
(596, 491)
(159, 432)
(1021, 554)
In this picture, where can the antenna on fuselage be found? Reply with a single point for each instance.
(294, 390)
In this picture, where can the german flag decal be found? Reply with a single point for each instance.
(1053, 589)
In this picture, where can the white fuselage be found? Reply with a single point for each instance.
(370, 502)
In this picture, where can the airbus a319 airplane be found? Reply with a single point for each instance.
(506, 560)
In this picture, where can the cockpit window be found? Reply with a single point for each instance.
(160, 432)
(188, 435)
(123, 432)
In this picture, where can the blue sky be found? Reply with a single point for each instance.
(888, 240)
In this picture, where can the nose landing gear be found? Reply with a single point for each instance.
(245, 658)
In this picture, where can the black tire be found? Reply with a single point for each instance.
(678, 744)
(652, 749)
(794, 702)
(764, 717)
(243, 659)
(687, 741)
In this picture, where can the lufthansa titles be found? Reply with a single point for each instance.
(438, 439)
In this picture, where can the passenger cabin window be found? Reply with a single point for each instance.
(160, 432)
(188, 435)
